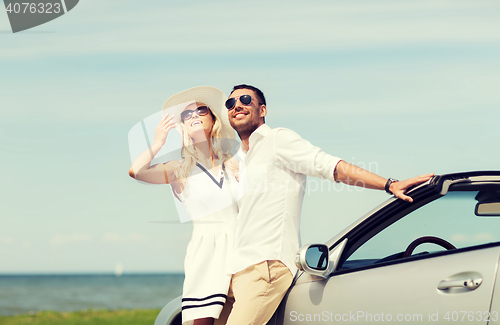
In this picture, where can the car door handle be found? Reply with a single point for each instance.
(470, 283)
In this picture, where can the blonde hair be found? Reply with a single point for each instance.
(190, 153)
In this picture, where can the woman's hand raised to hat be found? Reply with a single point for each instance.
(166, 124)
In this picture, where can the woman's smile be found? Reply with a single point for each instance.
(196, 122)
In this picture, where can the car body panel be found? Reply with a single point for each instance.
(392, 290)
(170, 314)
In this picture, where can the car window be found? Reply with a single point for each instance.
(450, 218)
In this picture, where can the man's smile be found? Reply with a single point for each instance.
(239, 114)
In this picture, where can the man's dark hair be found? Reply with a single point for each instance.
(260, 94)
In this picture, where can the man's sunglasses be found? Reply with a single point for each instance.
(188, 114)
(244, 99)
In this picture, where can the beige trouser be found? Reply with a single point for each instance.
(255, 293)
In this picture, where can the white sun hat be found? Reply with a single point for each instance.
(214, 98)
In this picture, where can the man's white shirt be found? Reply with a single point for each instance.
(272, 180)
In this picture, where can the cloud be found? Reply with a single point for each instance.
(111, 237)
(6, 240)
(479, 238)
(125, 27)
(123, 238)
(26, 245)
(136, 237)
(59, 240)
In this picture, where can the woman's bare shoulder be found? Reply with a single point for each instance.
(172, 164)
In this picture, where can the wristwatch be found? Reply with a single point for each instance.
(389, 182)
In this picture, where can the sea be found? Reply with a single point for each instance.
(28, 294)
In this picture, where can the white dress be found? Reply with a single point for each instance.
(210, 203)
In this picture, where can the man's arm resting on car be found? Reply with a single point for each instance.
(356, 176)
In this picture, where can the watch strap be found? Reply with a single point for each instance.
(388, 184)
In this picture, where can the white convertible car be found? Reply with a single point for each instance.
(433, 261)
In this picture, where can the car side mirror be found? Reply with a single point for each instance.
(317, 257)
(318, 260)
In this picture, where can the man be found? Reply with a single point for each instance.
(273, 168)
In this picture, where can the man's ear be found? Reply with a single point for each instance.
(263, 110)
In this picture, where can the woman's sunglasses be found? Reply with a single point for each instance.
(244, 99)
(188, 114)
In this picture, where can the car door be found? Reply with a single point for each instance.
(432, 286)
(403, 292)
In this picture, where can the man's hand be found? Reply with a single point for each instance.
(399, 188)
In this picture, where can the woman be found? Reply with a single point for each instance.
(203, 184)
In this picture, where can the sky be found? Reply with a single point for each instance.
(398, 87)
